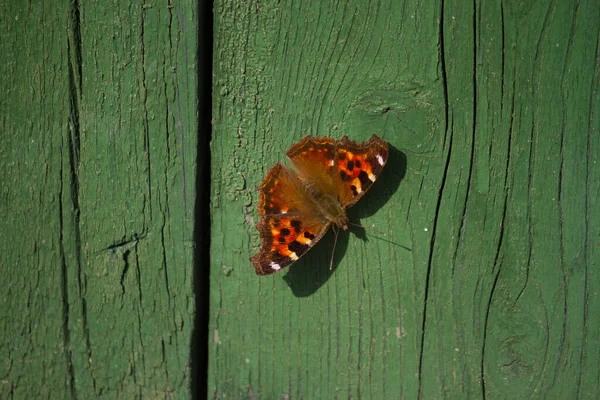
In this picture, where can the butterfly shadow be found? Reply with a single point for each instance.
(308, 274)
(382, 191)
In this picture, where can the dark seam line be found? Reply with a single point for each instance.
(439, 200)
(201, 274)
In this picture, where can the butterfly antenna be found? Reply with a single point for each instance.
(378, 237)
(337, 231)
(364, 227)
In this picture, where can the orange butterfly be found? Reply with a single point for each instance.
(297, 207)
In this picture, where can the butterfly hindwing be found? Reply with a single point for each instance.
(290, 225)
(284, 240)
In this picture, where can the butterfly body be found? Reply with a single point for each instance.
(330, 208)
(297, 207)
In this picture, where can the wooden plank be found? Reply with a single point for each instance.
(98, 205)
(35, 121)
(483, 282)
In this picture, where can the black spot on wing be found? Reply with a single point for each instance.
(298, 248)
(354, 191)
(350, 165)
(357, 164)
(374, 163)
(309, 235)
(365, 182)
(284, 232)
(345, 177)
(281, 239)
(297, 225)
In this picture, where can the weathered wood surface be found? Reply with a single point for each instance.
(485, 282)
(97, 169)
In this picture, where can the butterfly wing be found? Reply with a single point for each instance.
(290, 225)
(291, 222)
(343, 169)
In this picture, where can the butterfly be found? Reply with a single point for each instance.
(297, 206)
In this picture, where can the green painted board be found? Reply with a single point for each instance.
(97, 169)
(478, 277)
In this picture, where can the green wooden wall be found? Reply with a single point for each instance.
(97, 170)
(484, 281)
(477, 276)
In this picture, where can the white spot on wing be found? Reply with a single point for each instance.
(379, 159)
(372, 177)
(274, 266)
(331, 163)
(293, 256)
(284, 211)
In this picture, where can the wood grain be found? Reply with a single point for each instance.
(483, 281)
(98, 163)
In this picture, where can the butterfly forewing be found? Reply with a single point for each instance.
(314, 159)
(358, 166)
(343, 169)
